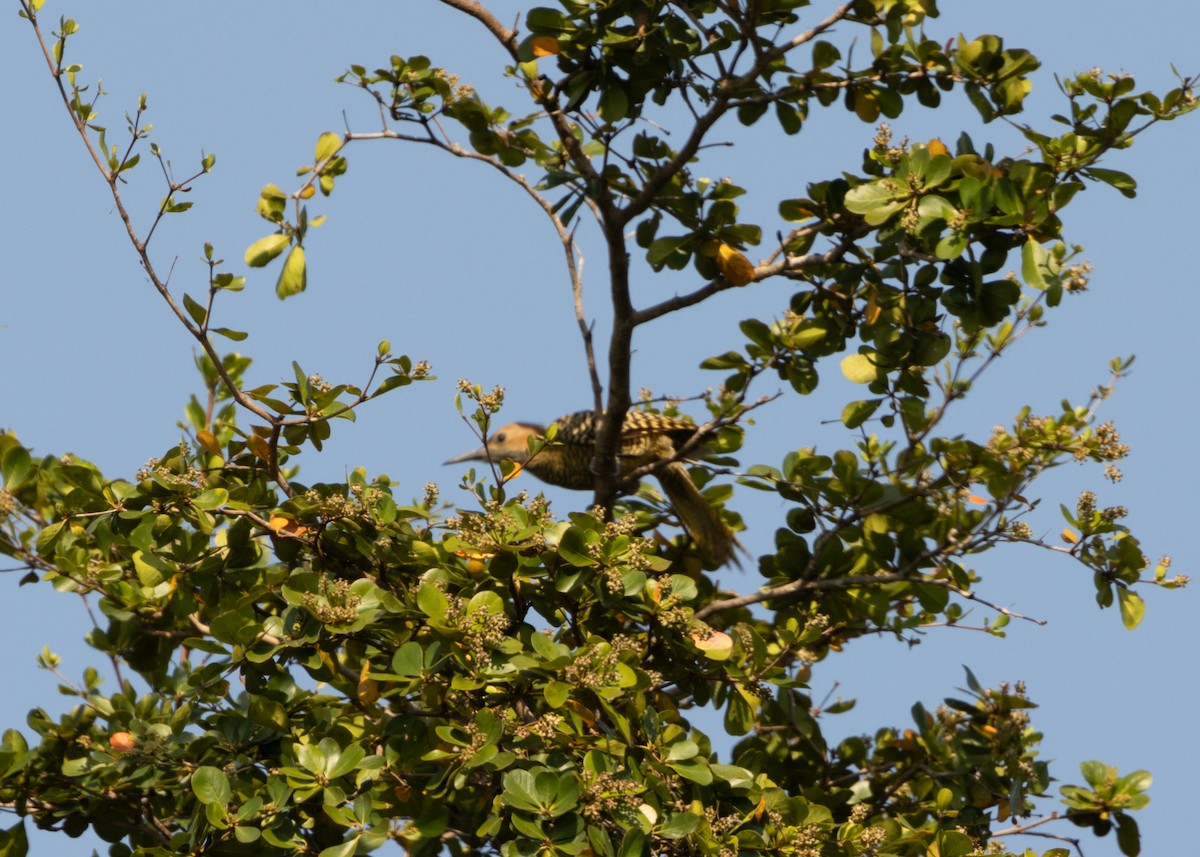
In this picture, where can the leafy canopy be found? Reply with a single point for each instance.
(322, 668)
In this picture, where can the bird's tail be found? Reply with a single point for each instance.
(702, 522)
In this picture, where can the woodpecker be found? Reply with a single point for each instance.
(646, 438)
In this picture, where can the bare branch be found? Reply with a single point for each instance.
(506, 37)
(141, 246)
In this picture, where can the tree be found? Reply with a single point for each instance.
(500, 679)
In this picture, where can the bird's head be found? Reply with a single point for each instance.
(510, 442)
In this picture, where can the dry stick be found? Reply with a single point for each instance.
(796, 587)
(476, 10)
(585, 328)
(760, 273)
(141, 246)
(1027, 830)
(571, 251)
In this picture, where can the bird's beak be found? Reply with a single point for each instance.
(480, 454)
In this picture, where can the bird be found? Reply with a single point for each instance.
(646, 438)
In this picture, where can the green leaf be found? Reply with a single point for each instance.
(409, 660)
(952, 843)
(213, 498)
(211, 786)
(944, 799)
(15, 464)
(1033, 260)
(265, 249)
(194, 309)
(432, 602)
(633, 843)
(1123, 182)
(572, 546)
(1133, 608)
(268, 712)
(520, 791)
(678, 825)
(327, 145)
(556, 693)
(664, 248)
(1128, 838)
(549, 21)
(344, 849)
(614, 103)
(14, 842)
(857, 413)
(345, 761)
(875, 201)
(1095, 772)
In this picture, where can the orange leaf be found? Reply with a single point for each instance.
(583, 712)
(1068, 535)
(545, 46)
(937, 147)
(122, 742)
(280, 524)
(717, 645)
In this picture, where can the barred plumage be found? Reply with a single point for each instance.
(646, 438)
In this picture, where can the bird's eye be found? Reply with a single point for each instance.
(499, 438)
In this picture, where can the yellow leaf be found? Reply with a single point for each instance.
(265, 249)
(368, 688)
(308, 191)
(734, 266)
(545, 46)
(937, 147)
(1003, 809)
(258, 446)
(293, 279)
(327, 661)
(208, 441)
(859, 369)
(1069, 536)
(871, 315)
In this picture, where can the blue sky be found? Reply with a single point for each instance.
(454, 266)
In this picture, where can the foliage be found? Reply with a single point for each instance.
(323, 668)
